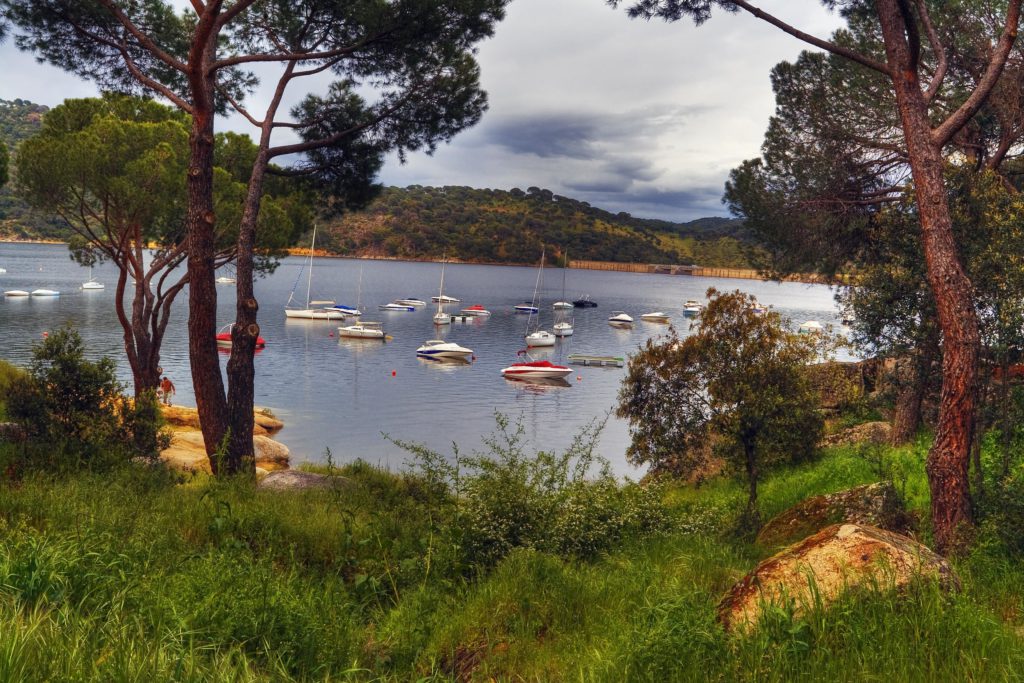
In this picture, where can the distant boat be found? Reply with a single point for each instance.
(586, 359)
(563, 304)
(411, 302)
(691, 308)
(811, 327)
(45, 292)
(225, 342)
(439, 348)
(92, 283)
(584, 302)
(535, 369)
(756, 308)
(15, 292)
(3, 271)
(620, 319)
(313, 310)
(656, 317)
(562, 328)
(540, 338)
(362, 330)
(349, 311)
(475, 310)
(526, 308)
(441, 317)
(225, 280)
(395, 306)
(445, 299)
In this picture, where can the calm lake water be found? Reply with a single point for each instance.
(343, 394)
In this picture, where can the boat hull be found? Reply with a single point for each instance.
(356, 332)
(565, 331)
(539, 339)
(314, 314)
(45, 292)
(528, 371)
(527, 309)
(15, 292)
(443, 354)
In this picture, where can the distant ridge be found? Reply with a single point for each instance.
(499, 226)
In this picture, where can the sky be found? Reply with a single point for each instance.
(629, 115)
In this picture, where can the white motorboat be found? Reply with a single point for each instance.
(225, 280)
(757, 308)
(395, 306)
(45, 292)
(445, 299)
(411, 302)
(535, 369)
(313, 310)
(655, 317)
(561, 305)
(563, 328)
(811, 327)
(475, 310)
(526, 308)
(349, 311)
(15, 292)
(540, 338)
(691, 308)
(441, 317)
(362, 330)
(620, 319)
(439, 348)
(3, 271)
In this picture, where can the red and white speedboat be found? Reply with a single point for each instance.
(224, 338)
(475, 309)
(535, 369)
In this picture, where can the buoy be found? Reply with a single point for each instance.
(579, 378)
(474, 356)
(330, 334)
(393, 373)
(45, 335)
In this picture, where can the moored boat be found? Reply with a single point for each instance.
(15, 292)
(445, 299)
(691, 308)
(439, 348)
(411, 302)
(655, 317)
(563, 328)
(224, 340)
(540, 338)
(526, 308)
(535, 369)
(475, 310)
(395, 306)
(811, 327)
(620, 319)
(362, 330)
(45, 292)
(584, 302)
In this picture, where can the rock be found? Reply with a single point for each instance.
(268, 422)
(869, 432)
(185, 459)
(270, 454)
(833, 560)
(876, 504)
(297, 480)
(183, 416)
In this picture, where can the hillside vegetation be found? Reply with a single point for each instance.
(510, 226)
(20, 119)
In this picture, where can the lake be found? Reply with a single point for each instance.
(344, 394)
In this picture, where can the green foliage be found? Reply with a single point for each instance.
(72, 411)
(510, 227)
(740, 384)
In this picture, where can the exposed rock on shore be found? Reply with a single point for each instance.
(187, 451)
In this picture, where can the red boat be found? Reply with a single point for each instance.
(535, 369)
(224, 339)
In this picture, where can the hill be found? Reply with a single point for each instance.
(20, 119)
(510, 226)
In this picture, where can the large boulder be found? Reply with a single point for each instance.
(188, 452)
(184, 416)
(867, 432)
(297, 480)
(875, 504)
(820, 568)
(270, 454)
(265, 420)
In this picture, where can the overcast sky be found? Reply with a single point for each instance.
(634, 116)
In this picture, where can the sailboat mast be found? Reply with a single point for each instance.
(309, 280)
(440, 292)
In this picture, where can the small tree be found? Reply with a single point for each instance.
(739, 383)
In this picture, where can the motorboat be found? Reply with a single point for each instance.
(475, 310)
(395, 306)
(561, 305)
(621, 319)
(584, 302)
(224, 340)
(535, 369)
(349, 311)
(225, 280)
(527, 308)
(445, 299)
(540, 338)
(92, 283)
(691, 308)
(601, 361)
(3, 271)
(45, 292)
(15, 292)
(655, 317)
(439, 348)
(757, 308)
(312, 310)
(562, 328)
(363, 330)
(811, 327)
(411, 302)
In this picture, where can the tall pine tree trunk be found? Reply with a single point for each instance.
(949, 457)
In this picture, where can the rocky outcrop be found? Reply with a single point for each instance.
(820, 568)
(297, 480)
(187, 451)
(184, 416)
(876, 504)
(868, 432)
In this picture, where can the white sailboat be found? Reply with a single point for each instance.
(563, 327)
(313, 310)
(441, 317)
(538, 337)
(92, 283)
(362, 329)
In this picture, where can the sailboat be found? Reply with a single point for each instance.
(362, 329)
(538, 337)
(563, 327)
(92, 283)
(313, 310)
(441, 317)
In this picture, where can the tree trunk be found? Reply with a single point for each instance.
(948, 459)
(752, 517)
(241, 368)
(202, 294)
(913, 386)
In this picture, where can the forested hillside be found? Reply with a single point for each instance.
(510, 226)
(20, 119)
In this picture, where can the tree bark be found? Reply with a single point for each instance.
(948, 459)
(913, 386)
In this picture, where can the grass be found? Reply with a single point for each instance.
(132, 576)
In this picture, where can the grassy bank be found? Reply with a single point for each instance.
(133, 577)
